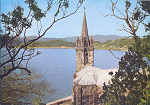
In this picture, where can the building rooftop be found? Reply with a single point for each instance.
(91, 75)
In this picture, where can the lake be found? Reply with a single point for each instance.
(57, 66)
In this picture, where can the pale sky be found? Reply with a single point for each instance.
(96, 11)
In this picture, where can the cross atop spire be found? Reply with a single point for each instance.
(84, 26)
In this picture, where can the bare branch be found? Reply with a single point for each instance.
(18, 53)
(113, 54)
(13, 69)
(113, 10)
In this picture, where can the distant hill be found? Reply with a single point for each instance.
(53, 44)
(99, 38)
(105, 38)
(118, 44)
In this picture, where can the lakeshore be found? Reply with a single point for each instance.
(118, 45)
(61, 47)
(60, 77)
(66, 47)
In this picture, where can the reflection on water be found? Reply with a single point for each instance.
(58, 65)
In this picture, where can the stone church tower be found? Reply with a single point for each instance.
(85, 90)
(84, 48)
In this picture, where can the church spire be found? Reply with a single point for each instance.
(84, 48)
(84, 26)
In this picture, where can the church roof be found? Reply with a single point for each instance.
(91, 75)
(84, 27)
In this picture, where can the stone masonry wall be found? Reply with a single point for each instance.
(91, 57)
(86, 95)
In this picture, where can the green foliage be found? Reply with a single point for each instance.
(19, 89)
(131, 83)
(146, 92)
(119, 44)
(143, 46)
(18, 23)
(36, 101)
(128, 83)
(145, 4)
(15, 19)
(37, 12)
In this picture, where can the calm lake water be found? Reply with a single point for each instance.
(57, 66)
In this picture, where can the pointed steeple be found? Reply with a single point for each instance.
(84, 48)
(84, 26)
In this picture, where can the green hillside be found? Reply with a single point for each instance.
(119, 44)
(52, 43)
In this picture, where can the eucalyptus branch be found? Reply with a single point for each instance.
(23, 24)
(113, 10)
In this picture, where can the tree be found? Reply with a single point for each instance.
(22, 89)
(16, 25)
(133, 17)
(131, 84)
(145, 6)
(14, 51)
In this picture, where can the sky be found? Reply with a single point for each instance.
(97, 21)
